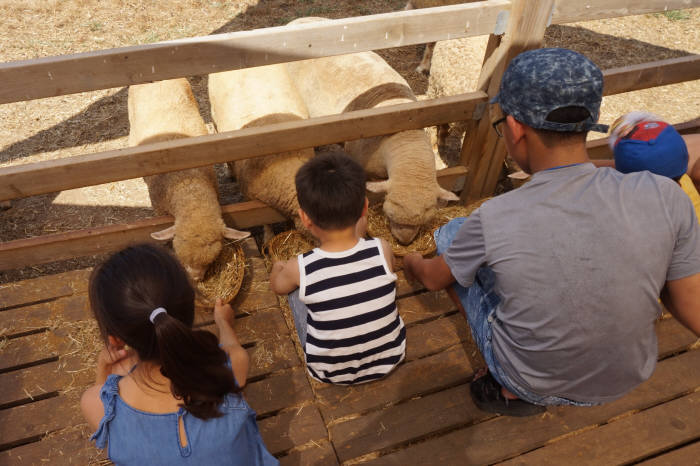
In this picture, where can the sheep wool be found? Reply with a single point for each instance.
(344, 83)
(256, 97)
(163, 111)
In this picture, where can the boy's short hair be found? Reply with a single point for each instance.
(331, 190)
(540, 84)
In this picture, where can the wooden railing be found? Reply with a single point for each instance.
(482, 154)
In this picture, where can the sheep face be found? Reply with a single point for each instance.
(408, 208)
(197, 247)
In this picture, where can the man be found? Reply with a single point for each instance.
(560, 278)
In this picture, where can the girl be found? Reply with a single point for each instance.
(165, 393)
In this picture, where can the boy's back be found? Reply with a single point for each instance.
(354, 333)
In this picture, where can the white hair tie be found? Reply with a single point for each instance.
(157, 311)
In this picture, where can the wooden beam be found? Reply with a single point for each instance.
(49, 248)
(85, 170)
(486, 152)
(67, 74)
(100, 240)
(652, 74)
(570, 11)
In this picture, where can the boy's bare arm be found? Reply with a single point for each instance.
(284, 277)
(388, 253)
(433, 273)
(682, 299)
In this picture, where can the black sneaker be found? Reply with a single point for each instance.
(487, 396)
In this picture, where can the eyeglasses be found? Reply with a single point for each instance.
(495, 126)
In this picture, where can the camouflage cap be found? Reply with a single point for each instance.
(540, 81)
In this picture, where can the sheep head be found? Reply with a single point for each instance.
(408, 208)
(196, 245)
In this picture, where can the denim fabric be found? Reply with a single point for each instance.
(138, 437)
(299, 313)
(480, 302)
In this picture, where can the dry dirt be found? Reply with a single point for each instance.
(97, 121)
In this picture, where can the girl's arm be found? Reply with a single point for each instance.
(240, 361)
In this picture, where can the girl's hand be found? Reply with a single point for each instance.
(223, 313)
(111, 361)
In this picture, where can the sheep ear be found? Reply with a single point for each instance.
(232, 233)
(164, 235)
(378, 186)
(445, 195)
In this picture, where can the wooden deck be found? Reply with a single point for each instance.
(421, 414)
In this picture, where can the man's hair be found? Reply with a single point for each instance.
(564, 115)
(331, 190)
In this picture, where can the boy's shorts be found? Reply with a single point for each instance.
(480, 302)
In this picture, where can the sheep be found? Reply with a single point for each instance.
(455, 70)
(162, 111)
(343, 83)
(256, 97)
(424, 65)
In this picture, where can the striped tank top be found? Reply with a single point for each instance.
(354, 333)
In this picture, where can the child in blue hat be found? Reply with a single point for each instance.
(642, 141)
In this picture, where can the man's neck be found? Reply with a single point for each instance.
(337, 240)
(548, 158)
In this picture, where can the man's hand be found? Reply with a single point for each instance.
(410, 263)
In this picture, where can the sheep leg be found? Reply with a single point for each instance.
(443, 131)
(267, 234)
(424, 65)
(4, 205)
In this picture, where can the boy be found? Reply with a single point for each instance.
(345, 308)
(559, 279)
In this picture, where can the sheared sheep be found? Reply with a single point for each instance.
(256, 97)
(343, 83)
(162, 111)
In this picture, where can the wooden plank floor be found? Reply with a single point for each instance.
(420, 414)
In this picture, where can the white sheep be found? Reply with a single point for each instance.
(162, 111)
(455, 70)
(424, 65)
(256, 97)
(343, 83)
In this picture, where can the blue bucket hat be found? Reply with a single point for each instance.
(540, 81)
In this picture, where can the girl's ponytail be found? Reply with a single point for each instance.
(195, 365)
(143, 296)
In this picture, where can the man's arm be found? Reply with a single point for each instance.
(433, 273)
(682, 298)
(284, 277)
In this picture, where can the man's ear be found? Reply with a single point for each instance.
(517, 129)
(305, 220)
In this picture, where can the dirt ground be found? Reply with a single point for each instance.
(97, 121)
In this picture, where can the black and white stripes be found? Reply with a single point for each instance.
(354, 333)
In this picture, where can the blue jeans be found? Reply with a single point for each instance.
(299, 313)
(480, 302)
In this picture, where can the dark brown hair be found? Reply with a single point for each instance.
(571, 114)
(331, 190)
(126, 288)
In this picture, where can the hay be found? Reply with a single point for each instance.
(285, 246)
(223, 278)
(424, 244)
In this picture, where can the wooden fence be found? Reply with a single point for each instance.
(522, 21)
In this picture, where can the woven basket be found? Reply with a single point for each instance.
(378, 227)
(223, 278)
(285, 246)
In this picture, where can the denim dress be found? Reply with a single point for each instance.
(137, 437)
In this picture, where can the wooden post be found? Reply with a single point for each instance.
(483, 152)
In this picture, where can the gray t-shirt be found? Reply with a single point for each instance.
(580, 256)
